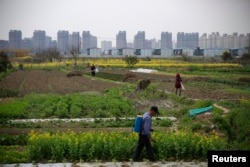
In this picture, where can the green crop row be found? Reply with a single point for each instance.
(14, 154)
(67, 106)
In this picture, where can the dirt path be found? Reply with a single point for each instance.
(225, 110)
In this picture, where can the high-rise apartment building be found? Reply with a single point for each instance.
(166, 40)
(121, 40)
(75, 41)
(15, 39)
(48, 42)
(130, 45)
(236, 40)
(63, 42)
(148, 44)
(180, 39)
(27, 43)
(139, 40)
(187, 40)
(225, 41)
(4, 44)
(194, 37)
(203, 41)
(39, 40)
(54, 44)
(105, 46)
(88, 41)
(248, 40)
(154, 43)
(216, 41)
(242, 41)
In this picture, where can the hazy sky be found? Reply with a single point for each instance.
(104, 18)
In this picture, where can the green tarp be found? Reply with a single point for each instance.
(194, 112)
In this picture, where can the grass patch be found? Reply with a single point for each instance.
(237, 91)
(14, 109)
(14, 154)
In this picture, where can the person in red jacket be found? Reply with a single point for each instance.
(178, 81)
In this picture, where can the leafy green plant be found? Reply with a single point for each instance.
(238, 119)
(4, 92)
(196, 126)
(164, 122)
(68, 106)
(6, 139)
(5, 63)
(13, 154)
(222, 124)
(14, 109)
(226, 56)
(202, 103)
(131, 60)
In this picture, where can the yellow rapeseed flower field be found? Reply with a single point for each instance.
(119, 146)
(115, 62)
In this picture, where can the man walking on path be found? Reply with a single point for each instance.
(145, 135)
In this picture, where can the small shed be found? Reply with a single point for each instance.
(188, 51)
(113, 52)
(157, 52)
(237, 51)
(166, 52)
(213, 52)
(127, 51)
(95, 52)
(177, 52)
(146, 52)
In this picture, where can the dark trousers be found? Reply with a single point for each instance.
(93, 73)
(144, 141)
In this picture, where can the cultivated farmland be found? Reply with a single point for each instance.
(107, 105)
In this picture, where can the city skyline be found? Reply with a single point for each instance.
(105, 18)
(66, 41)
(190, 43)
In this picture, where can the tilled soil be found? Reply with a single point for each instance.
(42, 81)
(55, 81)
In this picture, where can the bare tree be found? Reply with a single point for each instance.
(53, 53)
(49, 55)
(75, 54)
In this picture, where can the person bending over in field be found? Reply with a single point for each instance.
(92, 68)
